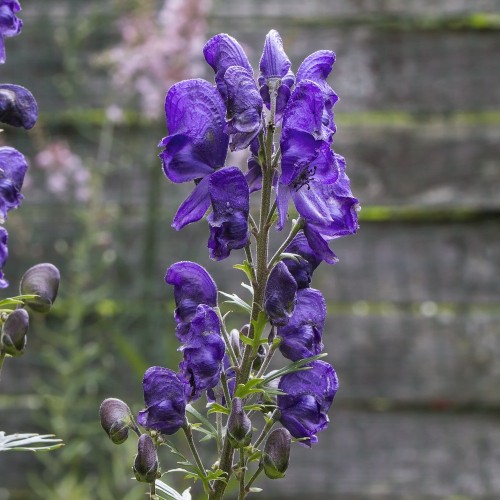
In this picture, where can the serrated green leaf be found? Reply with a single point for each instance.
(29, 442)
(244, 390)
(237, 301)
(246, 268)
(294, 367)
(217, 408)
(258, 326)
(193, 411)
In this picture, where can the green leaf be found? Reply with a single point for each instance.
(243, 390)
(17, 300)
(248, 287)
(193, 411)
(29, 442)
(294, 367)
(246, 267)
(237, 301)
(258, 327)
(170, 493)
(217, 408)
(294, 256)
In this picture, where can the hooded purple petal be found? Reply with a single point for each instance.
(4, 253)
(10, 24)
(229, 220)
(280, 295)
(244, 107)
(274, 63)
(13, 168)
(165, 401)
(17, 106)
(301, 337)
(221, 52)
(309, 395)
(195, 206)
(203, 352)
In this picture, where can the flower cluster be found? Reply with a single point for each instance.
(204, 120)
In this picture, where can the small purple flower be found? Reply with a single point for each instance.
(196, 145)
(4, 253)
(280, 295)
(10, 24)
(303, 268)
(192, 286)
(17, 106)
(164, 396)
(309, 395)
(301, 337)
(231, 205)
(203, 352)
(13, 168)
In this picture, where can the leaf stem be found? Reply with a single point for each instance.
(227, 340)
(254, 477)
(189, 437)
(297, 226)
(242, 492)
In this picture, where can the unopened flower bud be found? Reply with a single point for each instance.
(239, 426)
(234, 339)
(17, 106)
(116, 419)
(14, 330)
(276, 454)
(42, 280)
(146, 461)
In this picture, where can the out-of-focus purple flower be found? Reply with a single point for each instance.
(302, 269)
(192, 286)
(229, 220)
(275, 66)
(4, 253)
(17, 106)
(316, 68)
(164, 396)
(221, 52)
(244, 107)
(280, 295)
(301, 337)
(10, 24)
(203, 353)
(196, 145)
(13, 168)
(309, 395)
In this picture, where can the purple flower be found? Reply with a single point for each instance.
(229, 220)
(309, 395)
(301, 337)
(164, 396)
(13, 168)
(196, 145)
(17, 106)
(203, 353)
(280, 295)
(254, 173)
(4, 253)
(275, 66)
(10, 24)
(192, 286)
(303, 268)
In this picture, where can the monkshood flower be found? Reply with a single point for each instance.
(192, 286)
(254, 172)
(308, 397)
(4, 253)
(228, 221)
(10, 24)
(146, 467)
(302, 269)
(276, 453)
(280, 295)
(301, 337)
(13, 168)
(17, 106)
(196, 145)
(164, 396)
(116, 419)
(275, 69)
(203, 352)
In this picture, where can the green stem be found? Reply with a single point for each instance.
(225, 389)
(254, 477)
(227, 340)
(242, 493)
(298, 225)
(265, 431)
(249, 256)
(189, 437)
(2, 358)
(269, 357)
(152, 491)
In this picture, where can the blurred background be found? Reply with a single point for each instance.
(414, 303)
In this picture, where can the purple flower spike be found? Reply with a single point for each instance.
(10, 24)
(164, 396)
(229, 220)
(13, 168)
(196, 145)
(302, 270)
(301, 337)
(192, 286)
(244, 107)
(309, 395)
(280, 295)
(221, 52)
(17, 106)
(203, 353)
(4, 253)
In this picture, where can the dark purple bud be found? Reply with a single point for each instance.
(13, 168)
(13, 337)
(17, 106)
(116, 419)
(146, 468)
(280, 295)
(10, 24)
(259, 359)
(276, 454)
(231, 205)
(42, 280)
(234, 338)
(4, 253)
(239, 426)
(164, 396)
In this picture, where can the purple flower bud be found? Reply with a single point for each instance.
(276, 454)
(307, 399)
(234, 338)
(14, 330)
(116, 419)
(4, 253)
(42, 280)
(146, 468)
(10, 24)
(164, 396)
(17, 106)
(239, 426)
(13, 168)
(280, 295)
